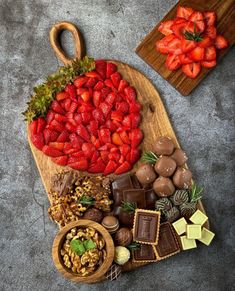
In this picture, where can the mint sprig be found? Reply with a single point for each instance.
(80, 247)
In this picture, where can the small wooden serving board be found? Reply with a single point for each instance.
(225, 10)
(155, 123)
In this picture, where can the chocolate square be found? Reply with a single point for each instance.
(146, 226)
(122, 182)
(135, 196)
(144, 254)
(168, 244)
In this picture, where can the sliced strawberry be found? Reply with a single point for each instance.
(197, 54)
(211, 32)
(73, 106)
(110, 99)
(60, 117)
(162, 47)
(165, 27)
(135, 119)
(187, 45)
(207, 41)
(78, 117)
(174, 47)
(88, 149)
(98, 115)
(82, 165)
(86, 96)
(116, 139)
(57, 145)
(179, 29)
(100, 66)
(184, 59)
(98, 167)
(62, 95)
(50, 135)
(85, 107)
(127, 121)
(71, 89)
(136, 137)
(123, 168)
(134, 155)
(201, 25)
(209, 64)
(56, 107)
(111, 68)
(99, 85)
(67, 104)
(86, 117)
(82, 132)
(110, 125)
(41, 124)
(105, 91)
(124, 136)
(109, 83)
(57, 125)
(64, 136)
(70, 151)
(116, 115)
(116, 78)
(135, 107)
(97, 98)
(122, 85)
(210, 18)
(210, 53)
(221, 42)
(51, 152)
(110, 168)
(184, 12)
(173, 62)
(114, 156)
(104, 155)
(33, 127)
(38, 140)
(70, 127)
(95, 157)
(50, 116)
(73, 159)
(94, 126)
(80, 81)
(79, 154)
(104, 134)
(191, 70)
(130, 93)
(122, 107)
(62, 161)
(93, 74)
(124, 149)
(105, 108)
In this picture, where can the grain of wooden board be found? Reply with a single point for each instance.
(225, 10)
(155, 123)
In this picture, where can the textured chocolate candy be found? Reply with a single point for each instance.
(93, 214)
(164, 146)
(182, 178)
(163, 187)
(123, 237)
(165, 166)
(179, 156)
(110, 223)
(146, 174)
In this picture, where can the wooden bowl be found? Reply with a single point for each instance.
(98, 275)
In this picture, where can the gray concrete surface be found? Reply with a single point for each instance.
(204, 123)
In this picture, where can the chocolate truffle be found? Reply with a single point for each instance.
(122, 255)
(126, 218)
(163, 187)
(93, 214)
(146, 174)
(182, 178)
(164, 146)
(165, 166)
(111, 223)
(179, 157)
(123, 237)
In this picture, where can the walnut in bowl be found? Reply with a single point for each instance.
(83, 251)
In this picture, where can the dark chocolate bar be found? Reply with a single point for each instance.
(135, 196)
(168, 244)
(144, 254)
(146, 226)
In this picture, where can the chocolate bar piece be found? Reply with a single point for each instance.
(146, 226)
(144, 254)
(135, 196)
(168, 244)
(123, 182)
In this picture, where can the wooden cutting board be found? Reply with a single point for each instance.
(225, 10)
(155, 121)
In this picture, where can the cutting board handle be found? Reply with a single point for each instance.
(54, 36)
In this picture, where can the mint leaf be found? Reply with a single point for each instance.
(77, 247)
(89, 244)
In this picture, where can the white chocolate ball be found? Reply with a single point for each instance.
(122, 255)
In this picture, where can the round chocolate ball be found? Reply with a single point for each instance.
(164, 146)
(111, 223)
(146, 174)
(163, 187)
(123, 237)
(165, 166)
(182, 178)
(93, 214)
(179, 156)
